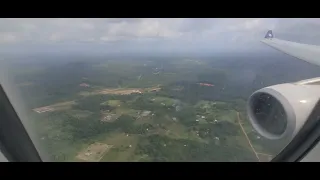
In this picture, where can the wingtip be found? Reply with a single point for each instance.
(269, 35)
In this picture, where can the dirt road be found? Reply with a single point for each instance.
(254, 151)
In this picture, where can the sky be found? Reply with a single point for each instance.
(150, 35)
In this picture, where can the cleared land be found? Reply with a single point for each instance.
(94, 152)
(55, 107)
(109, 117)
(122, 91)
(115, 91)
(123, 147)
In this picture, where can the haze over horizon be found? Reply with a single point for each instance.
(129, 35)
(143, 90)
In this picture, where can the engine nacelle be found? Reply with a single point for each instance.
(279, 111)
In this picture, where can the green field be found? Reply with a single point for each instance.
(182, 121)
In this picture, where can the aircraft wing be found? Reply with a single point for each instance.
(305, 52)
(289, 112)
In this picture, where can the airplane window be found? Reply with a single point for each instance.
(96, 90)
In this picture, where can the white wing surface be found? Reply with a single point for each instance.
(305, 52)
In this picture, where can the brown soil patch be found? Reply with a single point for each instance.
(122, 91)
(94, 152)
(55, 107)
(108, 117)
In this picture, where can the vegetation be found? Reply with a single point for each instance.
(183, 121)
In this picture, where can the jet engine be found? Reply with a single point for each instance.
(280, 111)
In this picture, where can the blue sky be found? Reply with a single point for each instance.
(147, 35)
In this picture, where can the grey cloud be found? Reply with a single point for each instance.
(197, 24)
(150, 34)
(297, 25)
(304, 30)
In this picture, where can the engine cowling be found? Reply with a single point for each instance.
(279, 111)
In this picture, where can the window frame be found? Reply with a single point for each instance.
(305, 141)
(15, 142)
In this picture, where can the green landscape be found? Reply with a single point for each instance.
(154, 89)
(139, 110)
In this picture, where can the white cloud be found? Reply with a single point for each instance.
(84, 29)
(120, 29)
(251, 24)
(7, 38)
(146, 28)
(246, 24)
(169, 32)
(55, 37)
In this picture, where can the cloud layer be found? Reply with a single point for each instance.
(142, 34)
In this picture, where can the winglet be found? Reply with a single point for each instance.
(269, 35)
